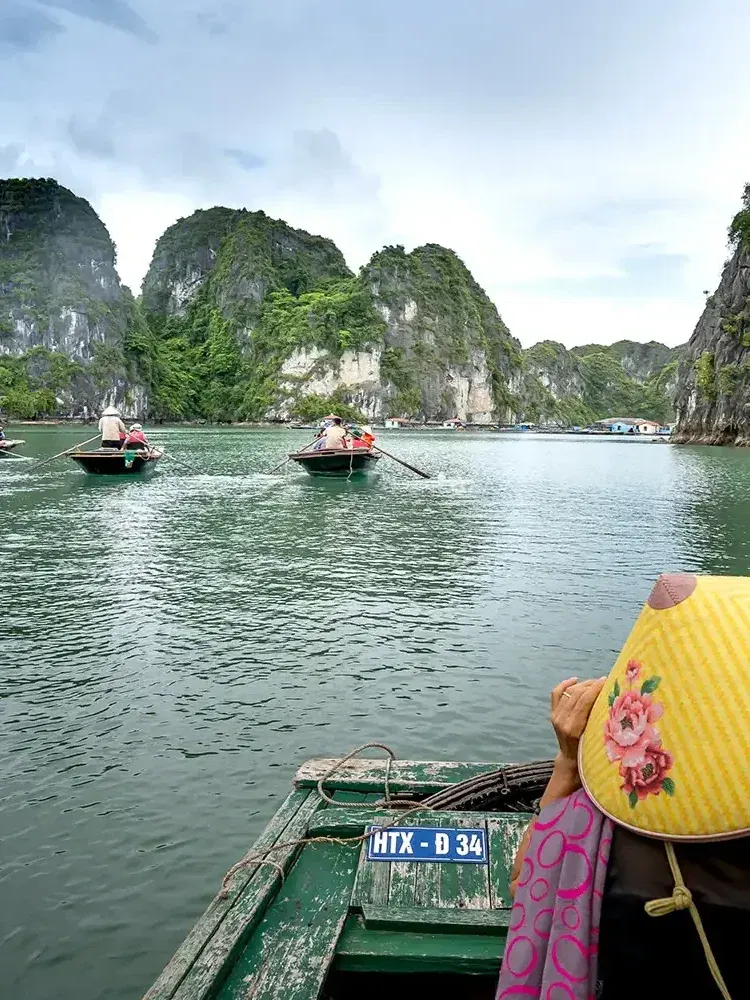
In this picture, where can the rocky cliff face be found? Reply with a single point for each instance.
(593, 382)
(246, 254)
(66, 322)
(184, 256)
(446, 351)
(267, 322)
(713, 391)
(244, 317)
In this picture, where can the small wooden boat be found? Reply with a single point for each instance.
(7, 446)
(336, 461)
(359, 916)
(111, 462)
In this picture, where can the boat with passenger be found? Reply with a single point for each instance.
(339, 450)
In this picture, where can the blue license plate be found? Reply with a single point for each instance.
(427, 843)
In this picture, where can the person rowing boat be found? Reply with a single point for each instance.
(333, 435)
(112, 429)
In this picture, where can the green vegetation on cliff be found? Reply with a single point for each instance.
(739, 228)
(69, 332)
(452, 322)
(594, 382)
(268, 291)
(244, 317)
(713, 384)
(29, 384)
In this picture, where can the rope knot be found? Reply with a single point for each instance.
(681, 899)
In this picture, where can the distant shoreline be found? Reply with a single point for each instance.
(72, 422)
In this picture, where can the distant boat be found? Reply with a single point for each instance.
(8, 446)
(336, 461)
(111, 462)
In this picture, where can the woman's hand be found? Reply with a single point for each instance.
(570, 706)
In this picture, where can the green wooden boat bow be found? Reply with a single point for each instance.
(342, 926)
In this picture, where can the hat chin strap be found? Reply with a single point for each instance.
(682, 899)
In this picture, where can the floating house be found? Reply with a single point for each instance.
(629, 425)
(395, 422)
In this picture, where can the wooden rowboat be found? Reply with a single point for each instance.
(336, 461)
(111, 462)
(343, 924)
(8, 446)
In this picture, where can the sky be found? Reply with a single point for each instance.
(584, 158)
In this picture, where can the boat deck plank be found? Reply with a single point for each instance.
(403, 874)
(372, 883)
(434, 918)
(225, 946)
(464, 887)
(504, 834)
(291, 952)
(184, 958)
(372, 950)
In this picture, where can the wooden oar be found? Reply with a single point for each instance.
(412, 468)
(270, 472)
(38, 465)
(168, 454)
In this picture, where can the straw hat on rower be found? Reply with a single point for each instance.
(111, 411)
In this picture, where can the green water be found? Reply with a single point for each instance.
(172, 650)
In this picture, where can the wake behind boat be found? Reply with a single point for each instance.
(7, 446)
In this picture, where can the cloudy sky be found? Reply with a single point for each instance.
(584, 157)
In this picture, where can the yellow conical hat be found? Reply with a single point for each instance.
(666, 751)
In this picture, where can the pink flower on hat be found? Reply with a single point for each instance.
(650, 776)
(629, 730)
(632, 740)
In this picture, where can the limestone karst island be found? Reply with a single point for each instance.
(243, 318)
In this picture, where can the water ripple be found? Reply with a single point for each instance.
(172, 650)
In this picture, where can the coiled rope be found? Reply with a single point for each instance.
(484, 789)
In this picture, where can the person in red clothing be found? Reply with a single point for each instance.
(362, 437)
(136, 438)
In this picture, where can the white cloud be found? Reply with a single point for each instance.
(547, 145)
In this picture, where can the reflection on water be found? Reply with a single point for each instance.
(171, 650)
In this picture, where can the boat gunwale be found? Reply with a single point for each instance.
(368, 453)
(140, 464)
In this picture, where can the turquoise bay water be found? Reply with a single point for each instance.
(172, 650)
